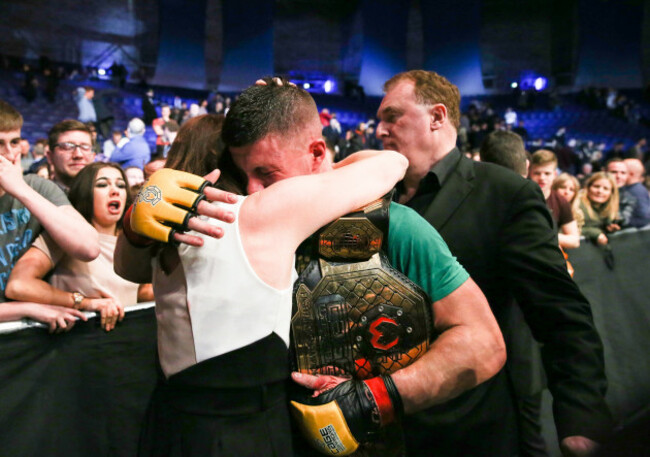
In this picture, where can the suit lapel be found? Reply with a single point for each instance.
(458, 185)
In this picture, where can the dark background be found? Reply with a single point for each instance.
(226, 44)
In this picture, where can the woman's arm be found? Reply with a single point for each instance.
(58, 319)
(357, 156)
(592, 233)
(569, 235)
(131, 262)
(26, 284)
(145, 293)
(292, 209)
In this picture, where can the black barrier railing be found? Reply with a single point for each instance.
(85, 392)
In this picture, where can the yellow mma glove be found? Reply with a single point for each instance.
(339, 420)
(164, 206)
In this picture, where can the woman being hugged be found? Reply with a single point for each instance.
(99, 192)
(598, 201)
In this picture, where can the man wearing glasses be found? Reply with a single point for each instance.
(71, 149)
(31, 204)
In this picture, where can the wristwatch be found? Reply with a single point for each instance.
(78, 298)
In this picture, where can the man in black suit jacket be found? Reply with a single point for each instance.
(498, 226)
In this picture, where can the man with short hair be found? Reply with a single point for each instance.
(284, 140)
(38, 153)
(498, 226)
(30, 204)
(524, 367)
(543, 170)
(116, 141)
(634, 186)
(626, 201)
(70, 150)
(136, 152)
(507, 149)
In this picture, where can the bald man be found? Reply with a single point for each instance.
(634, 185)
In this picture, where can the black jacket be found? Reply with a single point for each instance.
(496, 223)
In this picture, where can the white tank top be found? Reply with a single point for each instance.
(229, 306)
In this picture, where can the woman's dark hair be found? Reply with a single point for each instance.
(198, 149)
(81, 191)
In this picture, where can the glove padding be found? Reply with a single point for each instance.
(165, 204)
(337, 421)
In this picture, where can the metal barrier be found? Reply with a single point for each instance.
(16, 326)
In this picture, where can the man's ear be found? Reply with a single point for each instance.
(318, 151)
(438, 113)
(48, 156)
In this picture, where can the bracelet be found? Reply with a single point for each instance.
(77, 297)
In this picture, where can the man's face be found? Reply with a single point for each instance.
(10, 144)
(68, 163)
(619, 170)
(543, 175)
(270, 160)
(165, 111)
(404, 123)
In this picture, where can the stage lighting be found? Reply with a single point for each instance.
(101, 72)
(328, 86)
(514, 84)
(540, 83)
(306, 85)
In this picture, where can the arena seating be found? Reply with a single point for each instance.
(582, 123)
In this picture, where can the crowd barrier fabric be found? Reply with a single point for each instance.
(616, 282)
(80, 393)
(620, 299)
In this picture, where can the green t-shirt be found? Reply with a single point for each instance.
(416, 249)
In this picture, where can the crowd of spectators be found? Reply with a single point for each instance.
(86, 164)
(572, 175)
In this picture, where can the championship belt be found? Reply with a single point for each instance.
(354, 313)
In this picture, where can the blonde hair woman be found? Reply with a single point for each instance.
(598, 201)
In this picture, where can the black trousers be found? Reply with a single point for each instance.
(204, 422)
